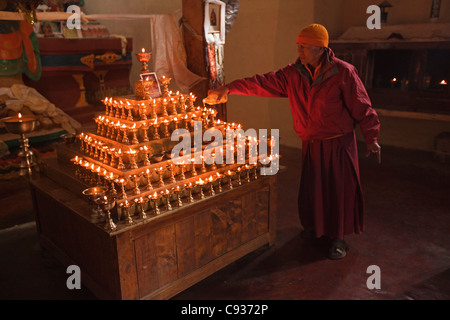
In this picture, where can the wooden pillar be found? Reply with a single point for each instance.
(194, 42)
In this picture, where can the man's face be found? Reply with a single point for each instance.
(309, 54)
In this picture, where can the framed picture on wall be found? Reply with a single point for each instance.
(214, 22)
(51, 28)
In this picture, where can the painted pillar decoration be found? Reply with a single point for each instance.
(214, 26)
(219, 17)
(19, 48)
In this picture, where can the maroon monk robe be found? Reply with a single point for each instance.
(325, 111)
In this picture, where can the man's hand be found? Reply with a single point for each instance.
(374, 148)
(216, 96)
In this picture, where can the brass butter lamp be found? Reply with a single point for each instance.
(21, 125)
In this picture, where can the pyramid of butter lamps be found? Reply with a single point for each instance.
(126, 157)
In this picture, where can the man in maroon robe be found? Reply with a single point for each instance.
(327, 100)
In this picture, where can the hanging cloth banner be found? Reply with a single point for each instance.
(168, 52)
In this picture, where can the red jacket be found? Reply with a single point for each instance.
(322, 108)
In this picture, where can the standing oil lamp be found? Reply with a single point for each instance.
(149, 181)
(247, 172)
(126, 206)
(134, 131)
(105, 128)
(129, 109)
(141, 206)
(124, 130)
(97, 121)
(182, 101)
(81, 139)
(213, 114)
(255, 172)
(92, 175)
(164, 106)
(135, 178)
(238, 174)
(154, 106)
(112, 106)
(89, 150)
(118, 137)
(200, 183)
(132, 156)
(230, 175)
(192, 99)
(205, 120)
(145, 151)
(144, 58)
(193, 116)
(122, 110)
(160, 172)
(155, 125)
(186, 122)
(104, 154)
(178, 193)
(219, 179)
(210, 181)
(112, 189)
(94, 195)
(110, 131)
(213, 165)
(171, 169)
(182, 170)
(203, 168)
(176, 121)
(97, 146)
(107, 203)
(105, 179)
(167, 195)
(174, 106)
(87, 172)
(166, 129)
(105, 102)
(98, 174)
(194, 170)
(143, 111)
(144, 127)
(21, 125)
(116, 109)
(117, 132)
(189, 187)
(154, 198)
(165, 82)
(120, 164)
(122, 183)
(112, 155)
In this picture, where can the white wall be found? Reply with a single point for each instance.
(261, 40)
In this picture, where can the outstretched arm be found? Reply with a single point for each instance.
(272, 84)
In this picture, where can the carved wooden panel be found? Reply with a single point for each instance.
(156, 260)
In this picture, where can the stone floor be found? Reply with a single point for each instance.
(407, 236)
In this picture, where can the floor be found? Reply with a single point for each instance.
(407, 236)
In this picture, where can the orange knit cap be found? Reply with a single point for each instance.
(314, 34)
